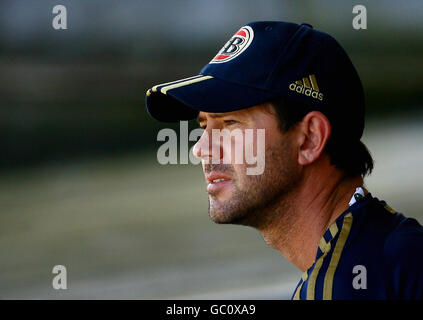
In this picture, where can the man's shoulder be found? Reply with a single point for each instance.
(391, 245)
(402, 236)
(403, 259)
(404, 244)
(382, 220)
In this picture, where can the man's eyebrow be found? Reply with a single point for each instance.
(213, 115)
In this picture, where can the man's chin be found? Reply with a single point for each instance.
(220, 218)
(222, 214)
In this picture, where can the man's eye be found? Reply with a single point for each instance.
(229, 122)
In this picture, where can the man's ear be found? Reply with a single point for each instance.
(315, 130)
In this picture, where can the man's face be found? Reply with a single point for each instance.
(241, 198)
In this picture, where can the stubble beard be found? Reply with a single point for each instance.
(255, 199)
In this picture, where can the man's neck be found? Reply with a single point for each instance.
(298, 222)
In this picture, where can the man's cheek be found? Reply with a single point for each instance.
(239, 176)
(233, 152)
(255, 151)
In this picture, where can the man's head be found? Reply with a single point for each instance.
(295, 82)
(297, 144)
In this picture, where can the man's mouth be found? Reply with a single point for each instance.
(215, 177)
(217, 181)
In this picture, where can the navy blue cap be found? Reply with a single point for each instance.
(262, 61)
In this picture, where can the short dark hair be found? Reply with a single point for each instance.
(348, 155)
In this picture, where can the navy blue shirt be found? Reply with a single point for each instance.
(369, 252)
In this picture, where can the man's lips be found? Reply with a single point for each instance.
(217, 181)
(216, 177)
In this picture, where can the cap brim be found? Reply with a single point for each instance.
(183, 99)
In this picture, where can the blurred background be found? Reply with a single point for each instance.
(80, 184)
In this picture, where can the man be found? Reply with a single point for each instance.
(309, 203)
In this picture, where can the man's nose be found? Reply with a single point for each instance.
(207, 148)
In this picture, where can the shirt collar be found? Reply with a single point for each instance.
(356, 202)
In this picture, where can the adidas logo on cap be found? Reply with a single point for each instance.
(307, 86)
